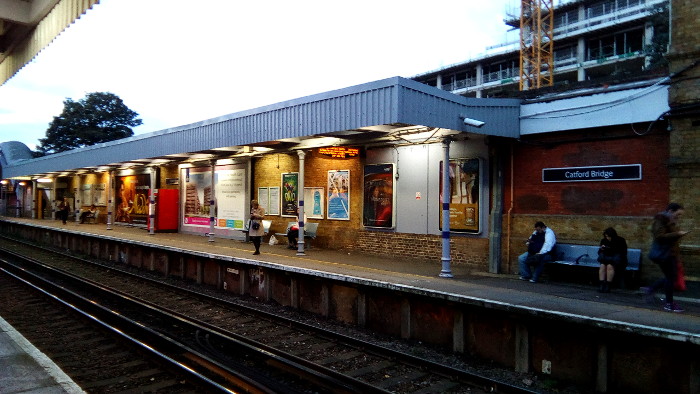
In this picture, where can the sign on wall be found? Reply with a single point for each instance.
(314, 202)
(290, 193)
(628, 172)
(464, 194)
(339, 194)
(378, 204)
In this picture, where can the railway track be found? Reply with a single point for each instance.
(340, 357)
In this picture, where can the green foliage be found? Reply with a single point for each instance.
(657, 48)
(99, 117)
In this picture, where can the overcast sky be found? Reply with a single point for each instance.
(176, 62)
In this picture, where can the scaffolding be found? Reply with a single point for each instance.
(536, 44)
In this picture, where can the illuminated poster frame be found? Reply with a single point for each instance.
(465, 189)
(379, 196)
(314, 202)
(290, 193)
(338, 203)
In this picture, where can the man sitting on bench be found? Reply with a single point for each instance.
(539, 246)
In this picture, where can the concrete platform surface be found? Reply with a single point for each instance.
(24, 369)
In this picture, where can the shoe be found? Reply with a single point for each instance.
(533, 281)
(256, 253)
(523, 278)
(673, 307)
(290, 247)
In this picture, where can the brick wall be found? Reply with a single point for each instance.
(578, 212)
(611, 198)
(332, 234)
(684, 149)
(470, 252)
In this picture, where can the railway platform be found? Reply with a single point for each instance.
(625, 306)
(515, 323)
(27, 370)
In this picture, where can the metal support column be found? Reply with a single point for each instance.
(446, 259)
(300, 214)
(212, 202)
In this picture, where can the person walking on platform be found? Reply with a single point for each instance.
(63, 208)
(665, 251)
(255, 230)
(612, 257)
(539, 247)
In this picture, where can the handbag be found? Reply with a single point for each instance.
(679, 285)
(659, 252)
(255, 226)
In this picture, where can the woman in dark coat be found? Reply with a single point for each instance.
(612, 255)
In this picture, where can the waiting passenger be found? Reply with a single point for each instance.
(88, 214)
(540, 245)
(612, 257)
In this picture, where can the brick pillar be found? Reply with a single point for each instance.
(684, 100)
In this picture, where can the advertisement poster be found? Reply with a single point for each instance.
(314, 202)
(274, 201)
(378, 204)
(197, 189)
(132, 199)
(231, 204)
(339, 195)
(264, 198)
(86, 194)
(464, 190)
(99, 196)
(290, 193)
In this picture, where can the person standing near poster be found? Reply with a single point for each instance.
(255, 230)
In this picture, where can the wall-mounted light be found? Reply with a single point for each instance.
(473, 122)
(44, 180)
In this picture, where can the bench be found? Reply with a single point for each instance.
(266, 228)
(587, 256)
(310, 230)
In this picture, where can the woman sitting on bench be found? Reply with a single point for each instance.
(293, 233)
(612, 255)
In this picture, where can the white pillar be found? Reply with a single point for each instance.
(212, 202)
(34, 197)
(152, 203)
(446, 260)
(300, 214)
(78, 203)
(110, 198)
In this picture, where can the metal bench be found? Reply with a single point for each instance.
(310, 230)
(587, 256)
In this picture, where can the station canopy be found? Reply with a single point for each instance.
(392, 111)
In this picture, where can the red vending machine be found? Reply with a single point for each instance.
(166, 210)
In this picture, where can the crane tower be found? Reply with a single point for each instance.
(536, 44)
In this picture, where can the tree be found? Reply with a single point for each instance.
(99, 117)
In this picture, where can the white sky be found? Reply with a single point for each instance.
(176, 62)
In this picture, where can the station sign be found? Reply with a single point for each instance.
(339, 152)
(628, 172)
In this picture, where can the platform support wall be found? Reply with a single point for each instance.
(362, 309)
(522, 348)
(294, 293)
(405, 319)
(601, 383)
(244, 281)
(458, 332)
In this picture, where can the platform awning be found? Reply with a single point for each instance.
(378, 112)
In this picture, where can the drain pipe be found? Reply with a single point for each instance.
(446, 260)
